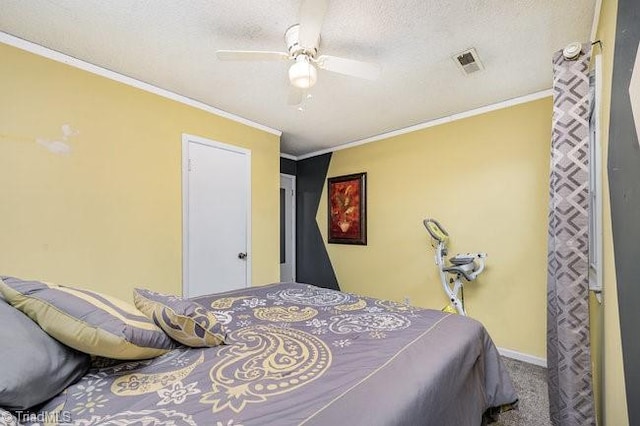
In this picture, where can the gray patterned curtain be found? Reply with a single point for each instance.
(568, 348)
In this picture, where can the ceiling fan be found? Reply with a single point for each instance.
(302, 42)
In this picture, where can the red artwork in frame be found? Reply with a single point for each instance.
(347, 209)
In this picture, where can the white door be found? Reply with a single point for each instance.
(287, 228)
(216, 210)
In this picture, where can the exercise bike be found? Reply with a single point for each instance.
(465, 266)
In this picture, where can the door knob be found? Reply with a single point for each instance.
(242, 256)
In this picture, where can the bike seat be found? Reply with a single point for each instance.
(462, 259)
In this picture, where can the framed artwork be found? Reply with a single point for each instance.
(347, 209)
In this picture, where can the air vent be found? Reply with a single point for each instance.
(468, 61)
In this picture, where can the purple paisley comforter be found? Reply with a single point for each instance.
(298, 354)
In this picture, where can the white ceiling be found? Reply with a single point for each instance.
(171, 44)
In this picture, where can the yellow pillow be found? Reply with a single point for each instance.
(183, 320)
(87, 320)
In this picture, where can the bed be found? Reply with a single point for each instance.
(296, 354)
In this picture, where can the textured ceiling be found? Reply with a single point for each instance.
(171, 44)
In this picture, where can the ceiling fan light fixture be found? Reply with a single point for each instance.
(302, 73)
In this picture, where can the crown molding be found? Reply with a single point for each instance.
(288, 156)
(112, 75)
(448, 119)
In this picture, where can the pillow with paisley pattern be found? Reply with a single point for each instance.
(183, 320)
(88, 321)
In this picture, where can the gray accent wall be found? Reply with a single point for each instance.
(624, 185)
(288, 166)
(313, 265)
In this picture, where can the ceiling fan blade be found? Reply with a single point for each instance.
(250, 55)
(311, 17)
(350, 67)
(295, 96)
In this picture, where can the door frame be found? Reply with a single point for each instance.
(292, 178)
(186, 139)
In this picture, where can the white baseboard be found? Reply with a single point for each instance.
(531, 359)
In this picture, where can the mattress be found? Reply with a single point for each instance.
(296, 354)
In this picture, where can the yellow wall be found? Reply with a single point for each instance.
(614, 397)
(485, 178)
(107, 216)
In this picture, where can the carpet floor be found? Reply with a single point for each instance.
(530, 382)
